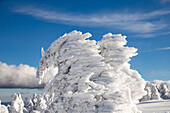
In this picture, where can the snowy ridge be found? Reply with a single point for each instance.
(92, 77)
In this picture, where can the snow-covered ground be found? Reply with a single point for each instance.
(155, 106)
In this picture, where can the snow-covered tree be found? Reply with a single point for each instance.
(28, 104)
(34, 100)
(152, 92)
(17, 105)
(41, 103)
(117, 55)
(163, 90)
(87, 81)
(3, 108)
(157, 90)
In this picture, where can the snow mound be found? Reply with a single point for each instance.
(91, 77)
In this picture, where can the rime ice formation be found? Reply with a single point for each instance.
(3, 108)
(28, 104)
(40, 104)
(152, 93)
(163, 88)
(157, 90)
(117, 55)
(164, 91)
(91, 78)
(17, 105)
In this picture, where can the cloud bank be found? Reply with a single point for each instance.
(22, 76)
(133, 22)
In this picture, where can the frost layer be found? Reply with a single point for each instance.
(92, 78)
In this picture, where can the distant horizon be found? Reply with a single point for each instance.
(5, 95)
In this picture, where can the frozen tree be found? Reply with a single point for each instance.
(163, 88)
(41, 103)
(86, 81)
(17, 105)
(152, 93)
(34, 100)
(28, 104)
(37, 103)
(157, 90)
(115, 53)
(3, 108)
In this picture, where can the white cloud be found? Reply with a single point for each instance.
(160, 73)
(134, 22)
(165, 1)
(151, 35)
(158, 49)
(22, 76)
(165, 48)
(155, 72)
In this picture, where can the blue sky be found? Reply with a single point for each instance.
(26, 26)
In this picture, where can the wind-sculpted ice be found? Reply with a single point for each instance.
(117, 55)
(91, 77)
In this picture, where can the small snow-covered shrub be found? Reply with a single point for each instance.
(17, 104)
(3, 108)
